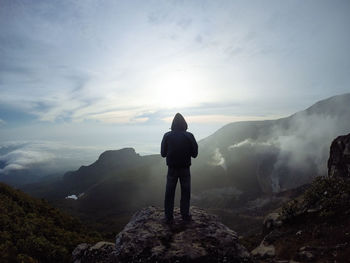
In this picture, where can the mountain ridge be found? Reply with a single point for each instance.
(242, 163)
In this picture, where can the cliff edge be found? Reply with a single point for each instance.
(146, 238)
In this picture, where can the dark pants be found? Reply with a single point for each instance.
(185, 181)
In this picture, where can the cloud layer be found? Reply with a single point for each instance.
(114, 61)
(43, 157)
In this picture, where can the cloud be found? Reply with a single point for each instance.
(223, 119)
(74, 197)
(296, 149)
(24, 158)
(125, 116)
(104, 61)
(218, 159)
(44, 157)
(2, 122)
(249, 143)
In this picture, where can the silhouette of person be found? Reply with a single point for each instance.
(178, 146)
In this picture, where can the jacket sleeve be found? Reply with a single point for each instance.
(194, 147)
(164, 147)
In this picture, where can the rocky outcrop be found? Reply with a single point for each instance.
(99, 252)
(339, 157)
(146, 238)
(272, 221)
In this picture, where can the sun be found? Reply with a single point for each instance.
(176, 89)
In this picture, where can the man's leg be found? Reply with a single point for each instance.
(170, 194)
(185, 181)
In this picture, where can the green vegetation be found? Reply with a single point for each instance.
(326, 197)
(31, 230)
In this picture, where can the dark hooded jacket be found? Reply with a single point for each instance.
(178, 145)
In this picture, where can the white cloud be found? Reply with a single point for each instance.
(218, 159)
(222, 119)
(2, 122)
(74, 197)
(115, 60)
(250, 143)
(125, 116)
(44, 157)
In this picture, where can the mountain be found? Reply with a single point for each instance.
(243, 169)
(262, 157)
(107, 192)
(31, 230)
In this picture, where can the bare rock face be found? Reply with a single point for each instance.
(147, 238)
(87, 253)
(272, 221)
(339, 157)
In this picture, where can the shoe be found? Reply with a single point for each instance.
(169, 221)
(187, 218)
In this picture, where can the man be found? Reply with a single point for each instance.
(178, 146)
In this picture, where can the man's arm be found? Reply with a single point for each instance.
(194, 147)
(164, 147)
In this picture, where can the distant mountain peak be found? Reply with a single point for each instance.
(125, 152)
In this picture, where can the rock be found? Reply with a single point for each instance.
(339, 157)
(100, 252)
(146, 238)
(306, 256)
(79, 251)
(271, 237)
(271, 221)
(264, 250)
(306, 253)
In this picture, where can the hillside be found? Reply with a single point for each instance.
(31, 230)
(314, 226)
(264, 157)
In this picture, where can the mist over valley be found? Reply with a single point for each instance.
(244, 165)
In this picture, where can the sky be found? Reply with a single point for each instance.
(111, 74)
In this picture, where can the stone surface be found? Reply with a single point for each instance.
(271, 221)
(147, 238)
(100, 252)
(306, 256)
(339, 157)
(264, 250)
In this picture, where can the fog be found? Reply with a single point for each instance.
(42, 158)
(287, 152)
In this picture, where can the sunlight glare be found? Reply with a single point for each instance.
(176, 89)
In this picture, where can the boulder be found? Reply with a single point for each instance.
(264, 250)
(272, 221)
(339, 157)
(147, 238)
(100, 252)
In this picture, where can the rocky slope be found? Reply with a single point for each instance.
(146, 238)
(315, 226)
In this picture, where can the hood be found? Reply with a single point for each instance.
(179, 123)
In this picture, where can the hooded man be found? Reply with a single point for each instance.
(178, 146)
